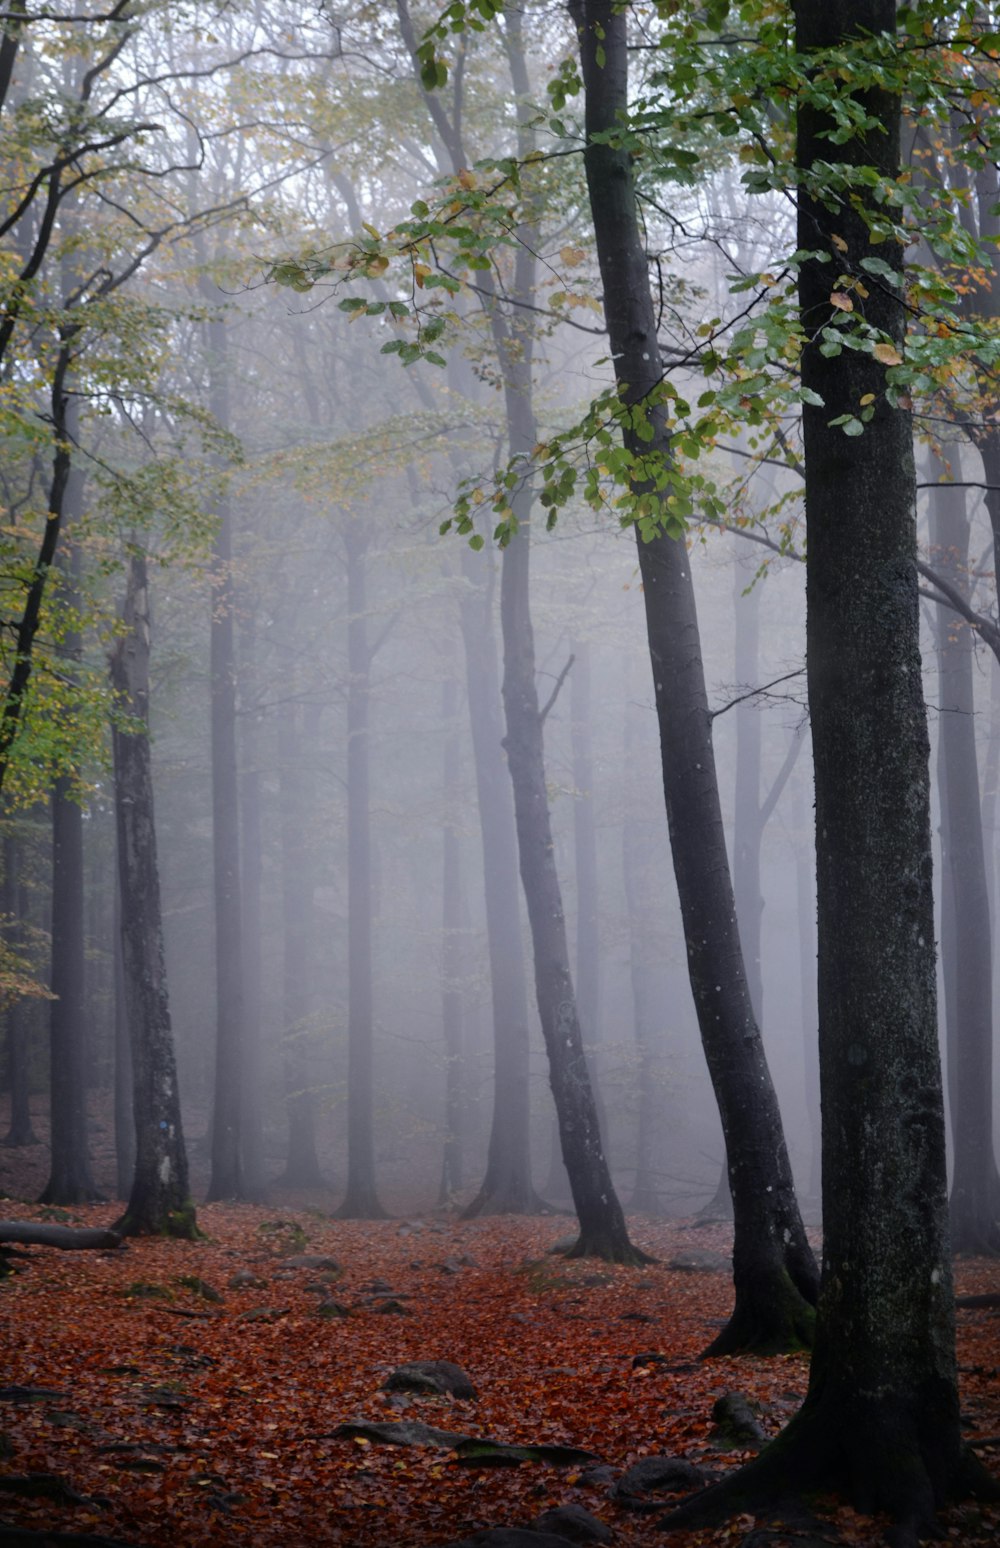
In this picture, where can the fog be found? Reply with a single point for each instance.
(287, 478)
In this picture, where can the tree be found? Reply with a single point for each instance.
(965, 935)
(881, 1419)
(774, 1274)
(159, 1202)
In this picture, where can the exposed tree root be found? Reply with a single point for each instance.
(881, 1456)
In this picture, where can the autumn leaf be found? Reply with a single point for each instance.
(841, 301)
(888, 354)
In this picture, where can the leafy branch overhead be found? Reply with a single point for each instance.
(719, 94)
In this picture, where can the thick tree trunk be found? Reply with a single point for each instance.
(968, 944)
(774, 1272)
(15, 910)
(159, 1202)
(298, 881)
(451, 952)
(226, 1181)
(361, 1201)
(881, 1417)
(507, 1186)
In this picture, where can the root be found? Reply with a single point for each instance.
(609, 1250)
(873, 1458)
(771, 1316)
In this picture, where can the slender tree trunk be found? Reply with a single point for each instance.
(125, 1144)
(159, 1202)
(361, 1201)
(298, 882)
(15, 910)
(451, 953)
(967, 943)
(774, 1273)
(646, 1007)
(506, 1186)
(251, 879)
(226, 1180)
(588, 935)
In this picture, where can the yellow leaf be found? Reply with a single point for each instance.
(371, 231)
(421, 272)
(842, 302)
(571, 256)
(467, 178)
(838, 242)
(869, 397)
(888, 354)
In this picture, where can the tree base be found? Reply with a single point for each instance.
(610, 1249)
(771, 1316)
(506, 1201)
(361, 1206)
(883, 1456)
(142, 1219)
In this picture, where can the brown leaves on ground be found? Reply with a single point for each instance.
(178, 1417)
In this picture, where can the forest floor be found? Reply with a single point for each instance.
(170, 1406)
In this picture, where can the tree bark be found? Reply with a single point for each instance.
(967, 943)
(774, 1273)
(159, 1202)
(251, 879)
(588, 935)
(124, 1107)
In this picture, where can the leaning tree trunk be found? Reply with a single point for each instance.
(774, 1273)
(648, 1006)
(361, 1201)
(159, 1202)
(969, 1004)
(226, 1181)
(603, 1232)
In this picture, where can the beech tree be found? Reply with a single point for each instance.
(774, 1274)
(159, 1202)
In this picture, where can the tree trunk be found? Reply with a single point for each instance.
(15, 909)
(969, 963)
(298, 883)
(506, 1187)
(251, 877)
(647, 1006)
(124, 1106)
(588, 935)
(361, 1201)
(774, 1273)
(226, 1180)
(881, 1417)
(451, 953)
(159, 1202)
(603, 1232)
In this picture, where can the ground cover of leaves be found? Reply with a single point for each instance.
(172, 1417)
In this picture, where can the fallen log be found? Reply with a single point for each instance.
(38, 1233)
